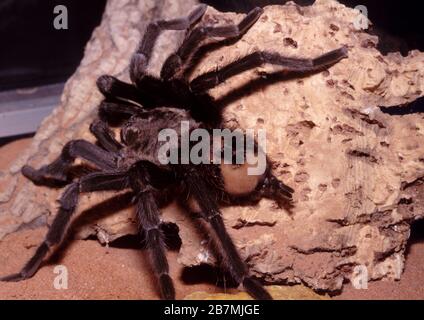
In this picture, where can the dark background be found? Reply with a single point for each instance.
(34, 53)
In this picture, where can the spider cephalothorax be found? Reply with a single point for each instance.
(148, 106)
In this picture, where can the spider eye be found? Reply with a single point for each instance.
(130, 135)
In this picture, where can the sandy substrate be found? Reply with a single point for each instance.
(97, 272)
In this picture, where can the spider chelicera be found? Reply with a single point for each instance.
(147, 106)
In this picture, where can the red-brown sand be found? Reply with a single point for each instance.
(97, 272)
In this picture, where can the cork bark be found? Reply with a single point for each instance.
(357, 170)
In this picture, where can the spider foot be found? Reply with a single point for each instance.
(16, 277)
(167, 290)
(40, 177)
(255, 289)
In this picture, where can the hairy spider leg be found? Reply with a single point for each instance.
(97, 181)
(177, 63)
(113, 88)
(119, 109)
(148, 214)
(141, 57)
(146, 179)
(57, 171)
(105, 136)
(150, 92)
(148, 85)
(207, 201)
(256, 59)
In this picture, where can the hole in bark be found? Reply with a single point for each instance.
(355, 114)
(362, 154)
(417, 232)
(131, 241)
(417, 235)
(205, 273)
(289, 42)
(405, 201)
(172, 237)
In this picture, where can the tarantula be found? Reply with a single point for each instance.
(147, 106)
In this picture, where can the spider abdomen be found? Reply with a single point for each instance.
(237, 180)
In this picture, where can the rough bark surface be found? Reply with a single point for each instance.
(358, 172)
